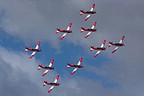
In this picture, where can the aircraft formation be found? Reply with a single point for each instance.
(79, 64)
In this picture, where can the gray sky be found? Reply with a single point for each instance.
(114, 18)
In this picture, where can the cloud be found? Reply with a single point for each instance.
(115, 18)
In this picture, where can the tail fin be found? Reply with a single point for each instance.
(58, 30)
(81, 30)
(109, 44)
(81, 12)
(40, 65)
(39, 68)
(68, 65)
(26, 50)
(91, 49)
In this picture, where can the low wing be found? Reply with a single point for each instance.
(88, 34)
(92, 7)
(52, 61)
(33, 53)
(115, 49)
(87, 17)
(122, 39)
(63, 36)
(45, 72)
(73, 71)
(69, 26)
(38, 45)
(103, 44)
(56, 79)
(80, 60)
(94, 24)
(97, 54)
(50, 89)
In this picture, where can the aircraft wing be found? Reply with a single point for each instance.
(103, 44)
(69, 26)
(88, 34)
(52, 61)
(97, 54)
(80, 60)
(33, 53)
(50, 89)
(73, 71)
(56, 79)
(87, 17)
(92, 7)
(45, 72)
(115, 49)
(94, 24)
(122, 39)
(38, 45)
(63, 36)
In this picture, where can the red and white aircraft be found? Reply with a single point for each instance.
(47, 68)
(88, 12)
(92, 29)
(64, 31)
(34, 50)
(53, 84)
(75, 66)
(119, 44)
(101, 48)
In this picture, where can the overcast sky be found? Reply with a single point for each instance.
(24, 22)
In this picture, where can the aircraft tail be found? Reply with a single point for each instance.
(81, 12)
(68, 65)
(82, 29)
(91, 49)
(26, 49)
(110, 43)
(58, 30)
(39, 66)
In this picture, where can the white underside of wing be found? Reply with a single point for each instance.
(74, 70)
(68, 28)
(92, 27)
(36, 47)
(55, 81)
(51, 88)
(46, 71)
(88, 16)
(102, 46)
(64, 35)
(33, 53)
(50, 64)
(120, 41)
(97, 53)
(115, 49)
(88, 33)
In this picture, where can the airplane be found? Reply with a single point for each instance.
(92, 29)
(64, 31)
(34, 50)
(119, 44)
(88, 12)
(47, 68)
(75, 66)
(99, 49)
(53, 84)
